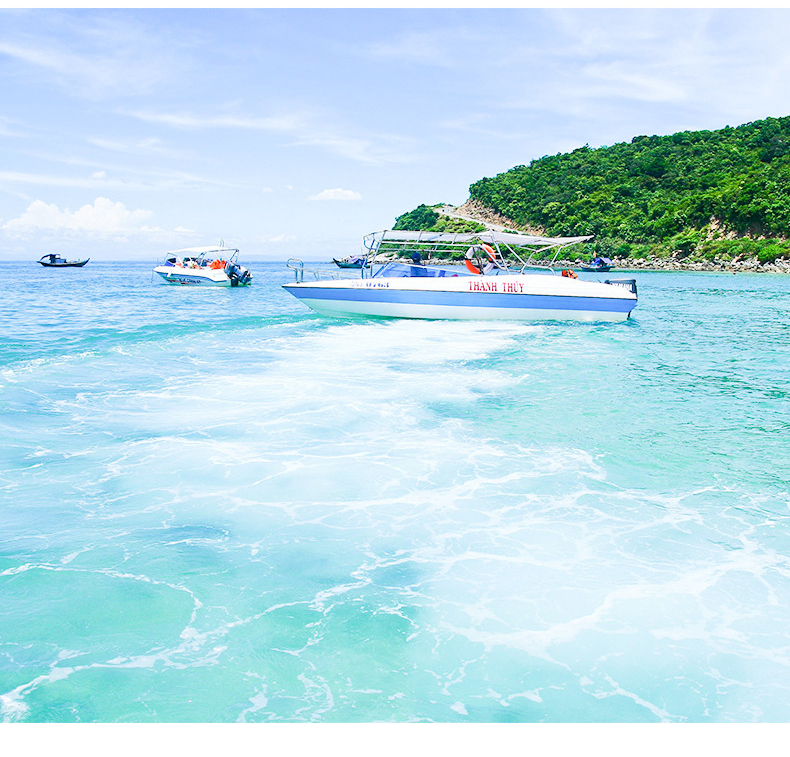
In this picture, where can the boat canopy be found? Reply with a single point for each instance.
(500, 245)
(503, 237)
(489, 237)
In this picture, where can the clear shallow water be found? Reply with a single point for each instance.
(218, 506)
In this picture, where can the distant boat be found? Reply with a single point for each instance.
(598, 265)
(56, 261)
(350, 262)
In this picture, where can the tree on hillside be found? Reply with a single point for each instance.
(657, 193)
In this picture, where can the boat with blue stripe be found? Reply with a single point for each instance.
(214, 266)
(497, 281)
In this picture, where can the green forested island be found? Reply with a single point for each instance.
(692, 196)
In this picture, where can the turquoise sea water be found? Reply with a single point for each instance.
(218, 506)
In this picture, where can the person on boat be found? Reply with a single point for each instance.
(416, 260)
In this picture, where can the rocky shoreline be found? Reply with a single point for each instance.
(619, 265)
(473, 211)
(749, 265)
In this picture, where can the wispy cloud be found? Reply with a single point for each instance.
(427, 48)
(303, 129)
(12, 128)
(285, 123)
(337, 194)
(374, 150)
(483, 125)
(623, 80)
(613, 64)
(74, 182)
(277, 238)
(150, 146)
(102, 179)
(93, 59)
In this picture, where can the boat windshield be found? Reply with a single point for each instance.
(201, 257)
(396, 270)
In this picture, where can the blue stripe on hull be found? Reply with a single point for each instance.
(465, 299)
(186, 280)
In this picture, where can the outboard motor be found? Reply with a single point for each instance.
(238, 274)
(629, 284)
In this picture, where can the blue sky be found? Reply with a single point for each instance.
(124, 133)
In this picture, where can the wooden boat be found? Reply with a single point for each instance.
(598, 265)
(357, 262)
(56, 261)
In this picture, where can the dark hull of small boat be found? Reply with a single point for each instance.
(346, 264)
(66, 264)
(597, 268)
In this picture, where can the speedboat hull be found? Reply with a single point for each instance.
(531, 297)
(196, 276)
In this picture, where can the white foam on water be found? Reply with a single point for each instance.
(404, 474)
(258, 701)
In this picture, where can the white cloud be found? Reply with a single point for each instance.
(337, 194)
(102, 218)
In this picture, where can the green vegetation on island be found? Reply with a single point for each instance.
(425, 218)
(694, 196)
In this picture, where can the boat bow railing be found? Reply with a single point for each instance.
(297, 266)
(313, 274)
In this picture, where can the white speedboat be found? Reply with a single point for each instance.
(495, 282)
(204, 266)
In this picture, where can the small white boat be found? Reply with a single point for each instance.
(204, 266)
(489, 286)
